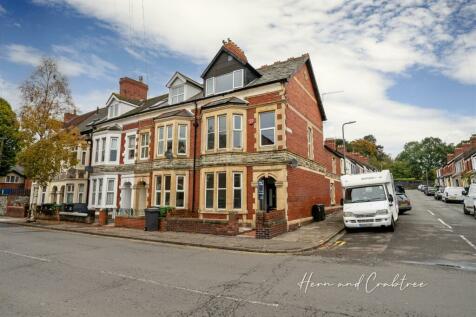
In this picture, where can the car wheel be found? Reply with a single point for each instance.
(349, 230)
(466, 211)
(391, 228)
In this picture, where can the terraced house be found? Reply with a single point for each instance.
(242, 139)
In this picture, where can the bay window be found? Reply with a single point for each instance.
(267, 128)
(210, 133)
(94, 192)
(209, 190)
(180, 192)
(221, 190)
(110, 191)
(237, 190)
(237, 131)
(222, 132)
(103, 149)
(96, 151)
(113, 149)
(69, 193)
(182, 139)
(170, 138)
(158, 190)
(80, 193)
(100, 191)
(160, 141)
(167, 186)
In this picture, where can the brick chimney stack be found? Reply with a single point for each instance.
(133, 89)
(331, 142)
(231, 46)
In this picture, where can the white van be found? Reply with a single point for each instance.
(370, 200)
(453, 194)
(469, 200)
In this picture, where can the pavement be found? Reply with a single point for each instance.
(304, 239)
(59, 273)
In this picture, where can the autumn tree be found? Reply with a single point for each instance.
(48, 147)
(9, 137)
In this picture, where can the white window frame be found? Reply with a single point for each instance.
(182, 138)
(261, 129)
(109, 191)
(81, 193)
(237, 131)
(234, 85)
(175, 94)
(240, 188)
(69, 192)
(115, 148)
(161, 140)
(222, 130)
(169, 129)
(144, 144)
(96, 150)
(103, 149)
(94, 192)
(180, 191)
(131, 149)
(221, 189)
(99, 191)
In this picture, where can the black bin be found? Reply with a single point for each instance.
(151, 219)
(318, 212)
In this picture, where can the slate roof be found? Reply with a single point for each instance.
(96, 116)
(144, 105)
(129, 100)
(176, 113)
(279, 70)
(224, 101)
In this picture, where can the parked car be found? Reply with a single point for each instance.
(439, 193)
(430, 191)
(420, 187)
(453, 194)
(403, 203)
(469, 200)
(423, 187)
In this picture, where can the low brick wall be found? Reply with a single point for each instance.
(207, 226)
(270, 224)
(129, 222)
(16, 211)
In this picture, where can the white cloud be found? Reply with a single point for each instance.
(355, 46)
(70, 62)
(10, 93)
(92, 99)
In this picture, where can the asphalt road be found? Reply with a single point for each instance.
(48, 273)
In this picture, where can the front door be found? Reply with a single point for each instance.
(267, 194)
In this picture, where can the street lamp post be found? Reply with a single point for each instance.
(343, 142)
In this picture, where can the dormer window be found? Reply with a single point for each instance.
(224, 83)
(177, 94)
(113, 110)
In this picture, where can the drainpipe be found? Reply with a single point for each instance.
(195, 127)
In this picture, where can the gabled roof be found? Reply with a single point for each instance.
(235, 56)
(131, 101)
(184, 78)
(225, 101)
(17, 169)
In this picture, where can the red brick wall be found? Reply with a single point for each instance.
(122, 147)
(306, 189)
(206, 226)
(270, 224)
(130, 222)
(250, 126)
(16, 211)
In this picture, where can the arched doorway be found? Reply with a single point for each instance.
(141, 195)
(126, 199)
(267, 193)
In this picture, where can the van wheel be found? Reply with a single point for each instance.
(391, 228)
(466, 211)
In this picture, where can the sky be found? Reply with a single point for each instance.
(404, 70)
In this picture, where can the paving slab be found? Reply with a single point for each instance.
(303, 239)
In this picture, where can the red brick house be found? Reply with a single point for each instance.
(242, 139)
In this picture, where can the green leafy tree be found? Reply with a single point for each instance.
(9, 137)
(48, 144)
(425, 156)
